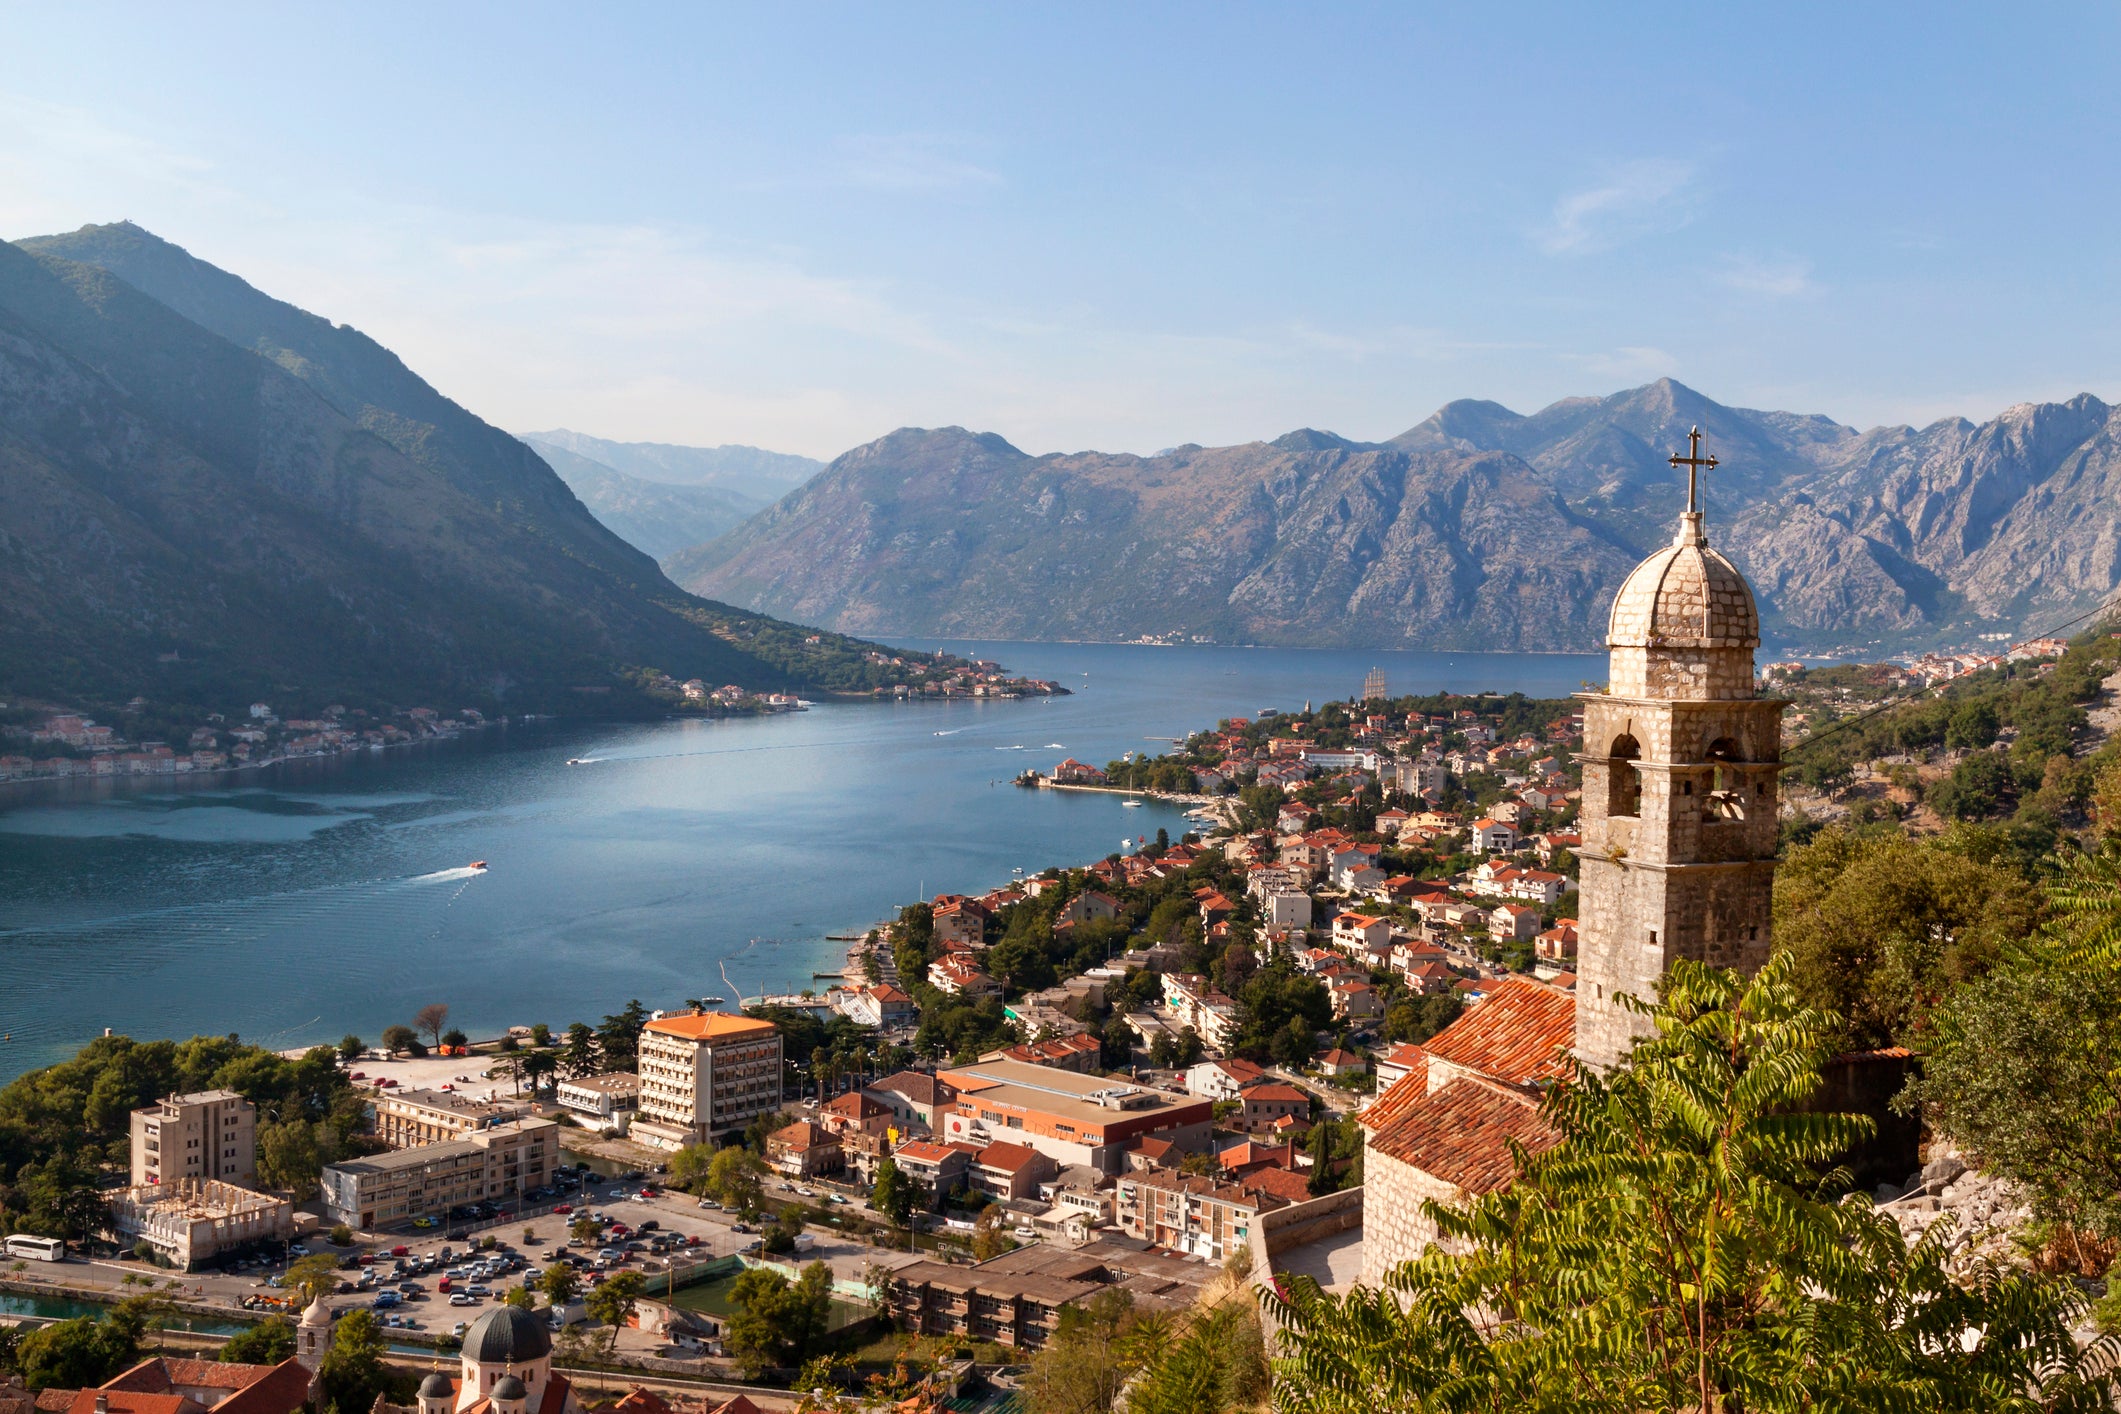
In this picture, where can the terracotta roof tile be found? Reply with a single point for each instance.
(1520, 1035)
(1462, 1134)
(284, 1388)
(1401, 1094)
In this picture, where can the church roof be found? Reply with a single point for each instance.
(1521, 1035)
(1463, 1134)
(1685, 596)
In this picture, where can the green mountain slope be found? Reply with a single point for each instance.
(190, 519)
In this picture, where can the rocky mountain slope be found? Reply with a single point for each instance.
(208, 495)
(655, 517)
(1477, 528)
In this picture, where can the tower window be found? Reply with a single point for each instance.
(1726, 793)
(1623, 778)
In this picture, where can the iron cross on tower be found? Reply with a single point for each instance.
(1694, 462)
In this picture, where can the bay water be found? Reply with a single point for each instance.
(297, 903)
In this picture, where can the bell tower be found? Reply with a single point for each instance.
(1681, 759)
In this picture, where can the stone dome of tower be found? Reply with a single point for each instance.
(1685, 596)
(507, 1388)
(507, 1335)
(437, 1386)
(318, 1314)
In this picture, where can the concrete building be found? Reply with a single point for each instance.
(407, 1119)
(1288, 909)
(703, 1076)
(1016, 1299)
(212, 1134)
(1007, 1171)
(1070, 1118)
(192, 1220)
(804, 1149)
(1198, 1216)
(940, 1169)
(387, 1190)
(610, 1098)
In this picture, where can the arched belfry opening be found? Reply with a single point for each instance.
(1726, 786)
(1623, 778)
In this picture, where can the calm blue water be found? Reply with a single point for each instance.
(296, 905)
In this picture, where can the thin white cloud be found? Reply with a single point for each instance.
(911, 162)
(1630, 364)
(1784, 278)
(1634, 199)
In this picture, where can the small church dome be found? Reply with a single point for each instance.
(508, 1387)
(1685, 596)
(318, 1313)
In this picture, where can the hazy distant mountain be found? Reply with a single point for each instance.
(751, 471)
(208, 494)
(653, 516)
(1478, 528)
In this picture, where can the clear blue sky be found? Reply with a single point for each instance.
(1120, 226)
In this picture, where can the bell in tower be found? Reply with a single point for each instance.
(1681, 759)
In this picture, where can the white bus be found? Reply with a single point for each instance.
(42, 1249)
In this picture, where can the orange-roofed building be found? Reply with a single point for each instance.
(705, 1075)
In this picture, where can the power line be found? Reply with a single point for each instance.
(1884, 707)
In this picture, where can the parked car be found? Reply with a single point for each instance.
(462, 1299)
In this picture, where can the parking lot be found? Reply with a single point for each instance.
(638, 1225)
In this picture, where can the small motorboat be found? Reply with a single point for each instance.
(478, 864)
(714, 1001)
(574, 761)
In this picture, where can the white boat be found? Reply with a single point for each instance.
(1132, 804)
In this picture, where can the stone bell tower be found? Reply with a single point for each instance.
(1680, 764)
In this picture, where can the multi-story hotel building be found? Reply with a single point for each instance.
(704, 1075)
(212, 1134)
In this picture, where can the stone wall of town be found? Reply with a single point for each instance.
(1395, 1227)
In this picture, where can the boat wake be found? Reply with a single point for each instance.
(443, 876)
(952, 732)
(1055, 746)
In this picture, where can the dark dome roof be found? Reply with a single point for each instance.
(507, 1334)
(509, 1387)
(436, 1386)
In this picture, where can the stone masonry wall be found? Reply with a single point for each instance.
(1395, 1229)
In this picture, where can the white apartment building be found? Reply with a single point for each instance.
(704, 1075)
(211, 1134)
(1288, 910)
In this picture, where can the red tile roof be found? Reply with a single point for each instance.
(1462, 1134)
(1277, 1183)
(163, 1374)
(1520, 1035)
(284, 1389)
(1272, 1091)
(125, 1401)
(1007, 1157)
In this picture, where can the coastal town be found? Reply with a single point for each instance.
(49, 741)
(1141, 1079)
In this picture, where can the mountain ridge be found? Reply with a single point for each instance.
(1476, 527)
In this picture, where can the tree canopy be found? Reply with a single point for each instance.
(1686, 1246)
